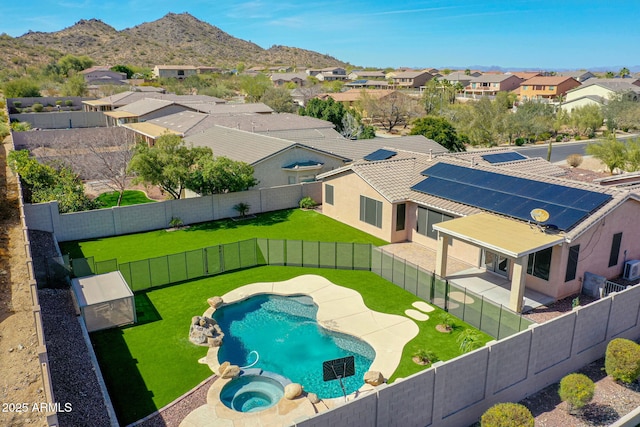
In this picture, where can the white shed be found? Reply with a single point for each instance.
(105, 300)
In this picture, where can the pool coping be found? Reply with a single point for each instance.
(340, 309)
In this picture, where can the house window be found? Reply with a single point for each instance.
(181, 72)
(525, 87)
(328, 194)
(371, 211)
(572, 263)
(292, 180)
(539, 263)
(552, 87)
(615, 249)
(401, 210)
(427, 218)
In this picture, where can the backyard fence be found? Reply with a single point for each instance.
(481, 313)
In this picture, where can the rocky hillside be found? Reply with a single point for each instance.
(173, 39)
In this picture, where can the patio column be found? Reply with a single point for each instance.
(518, 284)
(441, 254)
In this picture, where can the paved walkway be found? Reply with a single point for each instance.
(424, 257)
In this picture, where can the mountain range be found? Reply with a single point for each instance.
(179, 39)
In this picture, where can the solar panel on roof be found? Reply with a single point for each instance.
(503, 157)
(509, 195)
(380, 154)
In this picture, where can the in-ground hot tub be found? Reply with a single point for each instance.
(254, 390)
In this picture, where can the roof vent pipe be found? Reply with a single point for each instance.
(473, 161)
(430, 154)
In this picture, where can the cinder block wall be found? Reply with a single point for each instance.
(458, 392)
(155, 216)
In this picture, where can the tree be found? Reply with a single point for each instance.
(609, 151)
(325, 109)
(279, 99)
(44, 183)
(21, 88)
(123, 69)
(622, 111)
(624, 72)
(254, 87)
(167, 164)
(577, 390)
(69, 64)
(440, 130)
(586, 120)
(390, 111)
(609, 75)
(220, 175)
(632, 163)
(75, 85)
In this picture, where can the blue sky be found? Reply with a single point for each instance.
(536, 34)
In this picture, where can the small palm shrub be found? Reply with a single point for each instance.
(307, 203)
(446, 320)
(175, 222)
(425, 356)
(469, 339)
(507, 415)
(242, 208)
(622, 360)
(577, 390)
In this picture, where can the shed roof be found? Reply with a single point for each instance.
(100, 288)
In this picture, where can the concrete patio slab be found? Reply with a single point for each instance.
(423, 306)
(416, 315)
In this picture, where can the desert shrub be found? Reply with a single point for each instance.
(544, 136)
(58, 102)
(426, 356)
(20, 126)
(68, 103)
(242, 208)
(574, 160)
(37, 107)
(176, 222)
(578, 138)
(469, 339)
(4, 130)
(622, 360)
(307, 202)
(520, 141)
(577, 390)
(507, 415)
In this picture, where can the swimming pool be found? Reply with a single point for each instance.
(284, 332)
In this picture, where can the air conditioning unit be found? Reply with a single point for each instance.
(631, 270)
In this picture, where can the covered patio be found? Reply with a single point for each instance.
(510, 240)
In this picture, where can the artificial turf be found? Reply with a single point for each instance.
(293, 224)
(152, 363)
(129, 197)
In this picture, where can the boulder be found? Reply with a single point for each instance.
(214, 342)
(231, 372)
(222, 367)
(313, 398)
(215, 302)
(293, 390)
(373, 378)
(205, 331)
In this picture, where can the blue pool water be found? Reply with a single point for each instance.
(284, 332)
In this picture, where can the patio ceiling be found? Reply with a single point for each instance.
(151, 130)
(503, 235)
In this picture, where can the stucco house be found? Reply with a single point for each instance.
(102, 75)
(174, 71)
(546, 87)
(143, 110)
(491, 84)
(479, 212)
(280, 79)
(409, 79)
(599, 91)
(581, 75)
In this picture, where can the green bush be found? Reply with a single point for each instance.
(307, 202)
(37, 107)
(622, 360)
(68, 103)
(425, 356)
(520, 142)
(58, 102)
(507, 415)
(577, 390)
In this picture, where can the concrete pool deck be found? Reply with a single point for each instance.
(339, 309)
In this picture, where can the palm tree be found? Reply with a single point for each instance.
(624, 72)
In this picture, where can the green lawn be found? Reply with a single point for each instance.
(150, 364)
(286, 224)
(129, 197)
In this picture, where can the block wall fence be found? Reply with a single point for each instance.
(154, 216)
(458, 392)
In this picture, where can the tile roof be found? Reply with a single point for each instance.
(254, 107)
(547, 80)
(492, 78)
(144, 106)
(393, 178)
(535, 165)
(615, 85)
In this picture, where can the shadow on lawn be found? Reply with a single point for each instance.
(264, 219)
(129, 394)
(145, 310)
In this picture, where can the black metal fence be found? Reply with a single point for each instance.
(495, 320)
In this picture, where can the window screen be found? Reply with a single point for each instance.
(615, 249)
(371, 211)
(401, 210)
(328, 194)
